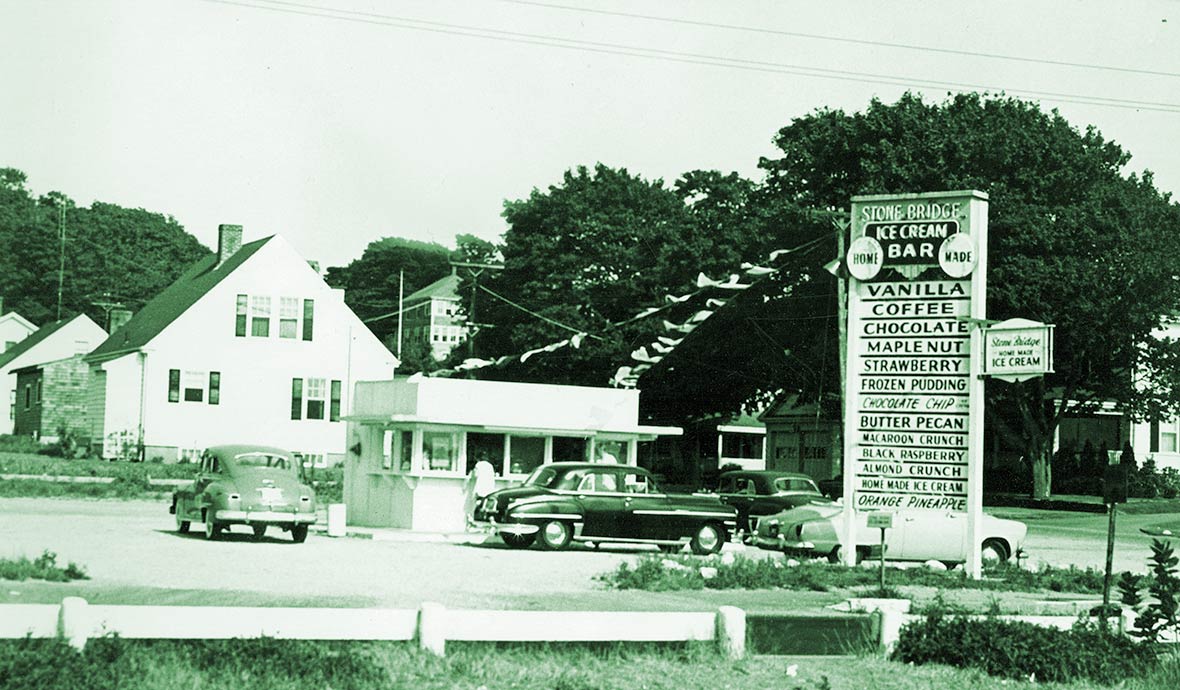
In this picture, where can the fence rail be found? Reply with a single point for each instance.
(431, 625)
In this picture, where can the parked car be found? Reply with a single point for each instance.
(591, 502)
(758, 493)
(832, 488)
(916, 535)
(257, 486)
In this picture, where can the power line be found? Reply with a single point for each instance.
(842, 39)
(680, 57)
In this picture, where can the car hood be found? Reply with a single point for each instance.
(518, 492)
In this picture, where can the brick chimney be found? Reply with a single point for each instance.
(229, 241)
(117, 318)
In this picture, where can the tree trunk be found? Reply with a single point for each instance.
(1042, 470)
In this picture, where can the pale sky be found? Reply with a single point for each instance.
(336, 122)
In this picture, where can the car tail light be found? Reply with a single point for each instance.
(799, 530)
(235, 497)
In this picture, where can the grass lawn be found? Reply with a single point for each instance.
(287, 665)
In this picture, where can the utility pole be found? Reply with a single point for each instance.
(61, 264)
(475, 270)
(401, 284)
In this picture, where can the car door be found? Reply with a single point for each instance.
(931, 535)
(740, 492)
(601, 503)
(648, 514)
(210, 472)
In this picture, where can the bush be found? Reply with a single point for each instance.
(44, 567)
(655, 573)
(1013, 649)
(1149, 481)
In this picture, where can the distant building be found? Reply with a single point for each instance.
(250, 345)
(432, 315)
(51, 398)
(51, 342)
(803, 436)
(13, 329)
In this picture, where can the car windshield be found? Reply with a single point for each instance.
(543, 477)
(263, 460)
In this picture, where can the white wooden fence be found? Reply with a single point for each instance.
(431, 625)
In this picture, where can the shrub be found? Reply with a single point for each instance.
(1013, 649)
(44, 567)
(1159, 614)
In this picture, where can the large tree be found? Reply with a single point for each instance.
(112, 254)
(371, 282)
(1073, 239)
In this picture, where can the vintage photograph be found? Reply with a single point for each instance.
(589, 344)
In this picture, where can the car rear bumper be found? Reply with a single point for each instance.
(781, 543)
(270, 517)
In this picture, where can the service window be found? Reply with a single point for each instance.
(570, 449)
(635, 483)
(610, 451)
(406, 451)
(526, 453)
(487, 448)
(440, 451)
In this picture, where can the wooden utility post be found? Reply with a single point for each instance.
(475, 270)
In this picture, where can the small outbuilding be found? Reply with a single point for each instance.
(414, 442)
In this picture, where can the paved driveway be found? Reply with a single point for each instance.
(133, 553)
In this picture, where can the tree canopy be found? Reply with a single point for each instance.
(112, 254)
(1073, 241)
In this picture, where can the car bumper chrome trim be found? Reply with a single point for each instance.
(270, 516)
(779, 543)
(685, 513)
(518, 528)
(551, 516)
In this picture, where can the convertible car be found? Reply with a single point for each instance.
(257, 486)
(758, 493)
(590, 502)
(817, 530)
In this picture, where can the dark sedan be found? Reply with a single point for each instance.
(565, 502)
(758, 493)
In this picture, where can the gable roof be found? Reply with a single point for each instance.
(13, 316)
(31, 341)
(167, 306)
(446, 287)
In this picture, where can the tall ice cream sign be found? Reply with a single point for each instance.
(913, 390)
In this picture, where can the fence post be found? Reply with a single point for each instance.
(890, 621)
(73, 622)
(731, 631)
(432, 634)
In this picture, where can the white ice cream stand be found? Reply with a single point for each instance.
(414, 442)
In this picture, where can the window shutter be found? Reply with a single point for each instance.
(173, 385)
(308, 318)
(215, 388)
(296, 398)
(334, 410)
(1155, 436)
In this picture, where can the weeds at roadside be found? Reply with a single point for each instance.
(658, 573)
(44, 567)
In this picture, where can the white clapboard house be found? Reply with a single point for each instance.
(250, 345)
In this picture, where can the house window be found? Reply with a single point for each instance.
(37, 392)
(288, 317)
(296, 398)
(194, 386)
(308, 318)
(215, 388)
(260, 316)
(240, 316)
(334, 403)
(315, 398)
(28, 396)
(406, 447)
(12, 404)
(174, 385)
(1169, 438)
